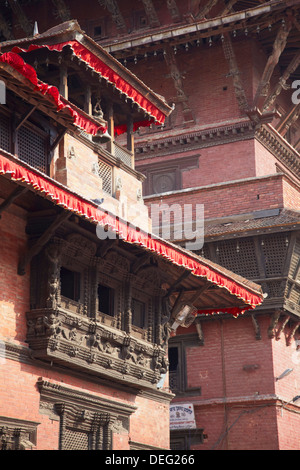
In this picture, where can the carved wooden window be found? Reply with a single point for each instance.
(70, 284)
(105, 300)
(106, 174)
(138, 313)
(32, 147)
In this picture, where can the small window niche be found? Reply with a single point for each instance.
(105, 300)
(70, 284)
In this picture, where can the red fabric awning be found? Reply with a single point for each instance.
(157, 116)
(65, 198)
(80, 120)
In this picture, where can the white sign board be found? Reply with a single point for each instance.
(182, 416)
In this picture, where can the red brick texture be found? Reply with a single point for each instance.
(236, 374)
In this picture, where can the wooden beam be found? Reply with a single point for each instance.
(62, 11)
(14, 195)
(278, 47)
(140, 262)
(130, 135)
(59, 137)
(209, 4)
(177, 283)
(270, 100)
(288, 119)
(36, 248)
(115, 12)
(228, 8)
(199, 292)
(111, 128)
(63, 81)
(25, 117)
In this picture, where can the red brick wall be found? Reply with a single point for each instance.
(232, 364)
(229, 199)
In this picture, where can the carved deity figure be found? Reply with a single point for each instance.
(53, 253)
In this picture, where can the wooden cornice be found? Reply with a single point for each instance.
(203, 138)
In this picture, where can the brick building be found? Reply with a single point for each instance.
(89, 298)
(231, 143)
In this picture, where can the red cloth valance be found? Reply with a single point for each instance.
(110, 75)
(68, 200)
(80, 120)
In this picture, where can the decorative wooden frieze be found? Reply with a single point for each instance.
(87, 345)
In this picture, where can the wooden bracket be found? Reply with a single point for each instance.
(14, 195)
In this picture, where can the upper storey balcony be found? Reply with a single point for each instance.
(110, 103)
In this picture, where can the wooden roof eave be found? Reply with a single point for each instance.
(57, 36)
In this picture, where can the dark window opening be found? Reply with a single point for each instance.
(173, 359)
(97, 31)
(138, 313)
(105, 300)
(70, 284)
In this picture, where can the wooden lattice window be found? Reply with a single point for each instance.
(32, 147)
(106, 174)
(76, 440)
(239, 257)
(274, 248)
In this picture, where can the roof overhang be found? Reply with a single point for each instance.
(234, 294)
(154, 107)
